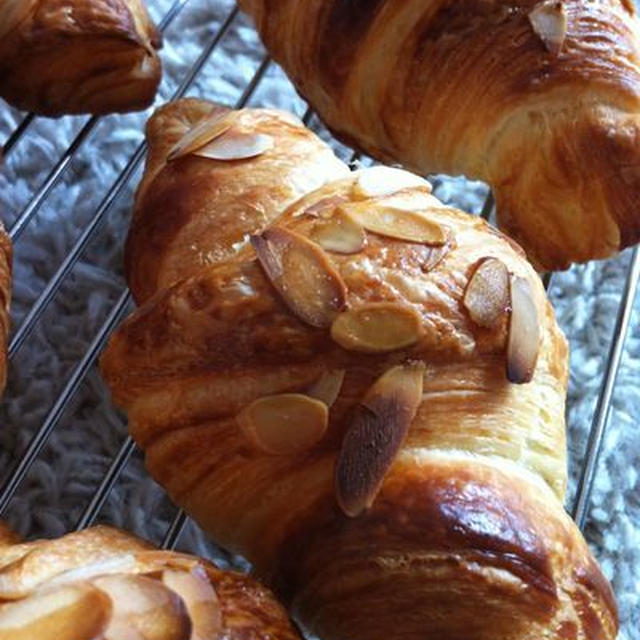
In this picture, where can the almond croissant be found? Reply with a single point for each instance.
(5, 300)
(78, 56)
(103, 584)
(366, 401)
(539, 99)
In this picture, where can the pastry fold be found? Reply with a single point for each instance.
(62, 57)
(539, 99)
(366, 401)
(102, 583)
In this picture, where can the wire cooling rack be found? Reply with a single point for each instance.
(29, 449)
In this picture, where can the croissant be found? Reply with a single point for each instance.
(78, 56)
(5, 299)
(366, 400)
(103, 584)
(539, 99)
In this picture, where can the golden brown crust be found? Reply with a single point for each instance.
(470, 87)
(468, 521)
(245, 608)
(5, 301)
(78, 56)
(190, 211)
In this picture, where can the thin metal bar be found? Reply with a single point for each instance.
(175, 529)
(255, 81)
(175, 9)
(603, 406)
(17, 134)
(547, 280)
(121, 458)
(59, 168)
(47, 294)
(488, 206)
(115, 468)
(16, 230)
(306, 118)
(19, 471)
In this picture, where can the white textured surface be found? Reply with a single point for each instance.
(61, 482)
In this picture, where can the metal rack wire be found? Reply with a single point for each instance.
(16, 475)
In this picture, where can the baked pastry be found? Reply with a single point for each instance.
(367, 402)
(192, 211)
(78, 56)
(539, 99)
(104, 584)
(5, 300)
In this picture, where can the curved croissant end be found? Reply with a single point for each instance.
(103, 583)
(539, 98)
(191, 212)
(78, 56)
(367, 402)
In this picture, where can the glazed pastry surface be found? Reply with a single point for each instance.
(5, 301)
(78, 56)
(539, 99)
(104, 584)
(366, 400)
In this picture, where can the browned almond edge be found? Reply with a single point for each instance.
(523, 340)
(549, 22)
(487, 294)
(375, 435)
(316, 304)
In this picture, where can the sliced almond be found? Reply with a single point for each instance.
(303, 275)
(69, 612)
(377, 327)
(143, 608)
(234, 145)
(397, 223)
(204, 132)
(284, 424)
(375, 436)
(327, 387)
(382, 181)
(549, 22)
(201, 601)
(523, 342)
(339, 233)
(325, 205)
(486, 297)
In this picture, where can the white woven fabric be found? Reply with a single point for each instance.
(66, 473)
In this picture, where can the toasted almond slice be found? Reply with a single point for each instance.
(69, 612)
(397, 223)
(303, 275)
(382, 181)
(234, 145)
(377, 327)
(375, 436)
(323, 206)
(327, 387)
(204, 132)
(523, 342)
(486, 297)
(284, 424)
(339, 233)
(201, 601)
(549, 22)
(143, 608)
